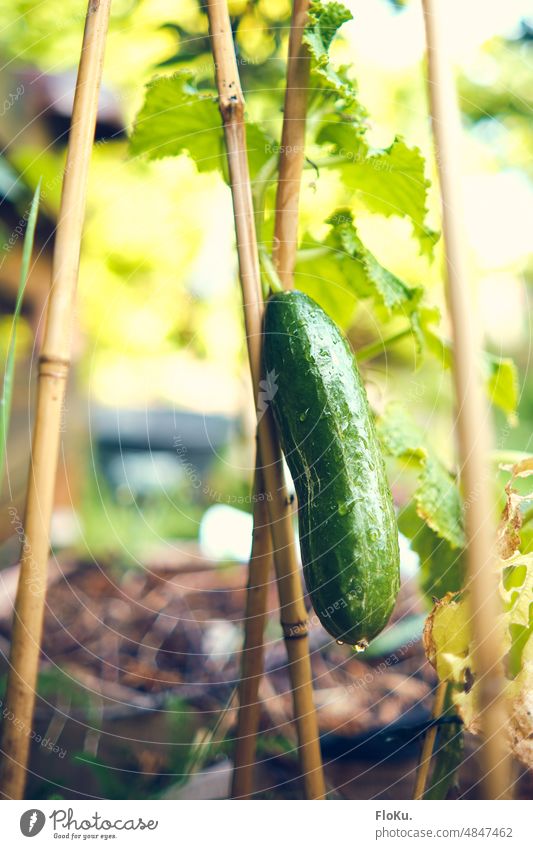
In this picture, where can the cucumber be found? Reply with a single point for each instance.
(347, 526)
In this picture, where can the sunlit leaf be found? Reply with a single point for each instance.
(442, 567)
(330, 84)
(341, 271)
(368, 277)
(323, 22)
(321, 275)
(176, 118)
(498, 373)
(501, 378)
(392, 182)
(448, 645)
(437, 497)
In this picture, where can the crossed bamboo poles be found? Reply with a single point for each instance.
(273, 526)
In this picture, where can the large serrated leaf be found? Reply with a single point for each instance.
(324, 19)
(341, 271)
(392, 182)
(370, 278)
(326, 80)
(178, 119)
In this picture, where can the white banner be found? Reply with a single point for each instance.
(355, 825)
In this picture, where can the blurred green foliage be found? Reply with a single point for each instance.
(159, 308)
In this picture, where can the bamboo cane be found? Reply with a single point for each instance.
(292, 148)
(292, 608)
(285, 246)
(429, 742)
(473, 426)
(253, 650)
(53, 369)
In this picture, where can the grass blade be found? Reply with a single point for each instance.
(9, 370)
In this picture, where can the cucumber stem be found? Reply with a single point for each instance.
(368, 352)
(269, 276)
(260, 185)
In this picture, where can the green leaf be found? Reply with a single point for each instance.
(501, 381)
(9, 370)
(442, 567)
(369, 278)
(321, 275)
(346, 136)
(324, 19)
(392, 182)
(499, 374)
(341, 271)
(177, 118)
(437, 497)
(328, 82)
(449, 648)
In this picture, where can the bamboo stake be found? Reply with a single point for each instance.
(473, 425)
(292, 148)
(285, 246)
(429, 743)
(253, 650)
(293, 612)
(54, 363)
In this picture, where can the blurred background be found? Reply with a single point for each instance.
(157, 435)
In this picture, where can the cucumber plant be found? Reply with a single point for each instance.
(338, 272)
(180, 117)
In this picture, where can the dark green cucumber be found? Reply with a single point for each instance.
(347, 525)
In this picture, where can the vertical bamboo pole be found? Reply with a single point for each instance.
(429, 743)
(473, 427)
(259, 572)
(293, 612)
(285, 246)
(54, 363)
(292, 148)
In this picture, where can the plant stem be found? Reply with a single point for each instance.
(292, 153)
(429, 742)
(53, 369)
(376, 349)
(292, 608)
(270, 275)
(472, 416)
(307, 254)
(263, 180)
